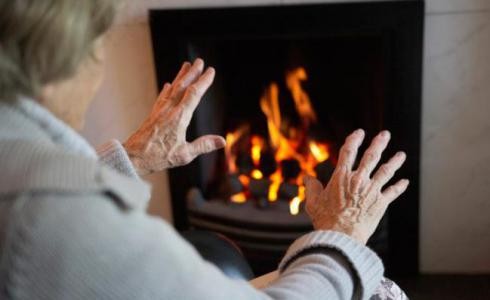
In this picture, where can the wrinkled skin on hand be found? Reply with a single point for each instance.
(160, 142)
(354, 201)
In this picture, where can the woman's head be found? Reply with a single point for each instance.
(48, 47)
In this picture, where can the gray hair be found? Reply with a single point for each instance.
(44, 41)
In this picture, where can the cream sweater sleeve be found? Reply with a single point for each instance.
(113, 154)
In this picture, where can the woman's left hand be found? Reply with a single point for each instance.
(160, 142)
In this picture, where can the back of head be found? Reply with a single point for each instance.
(45, 41)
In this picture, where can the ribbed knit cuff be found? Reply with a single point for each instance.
(113, 154)
(366, 264)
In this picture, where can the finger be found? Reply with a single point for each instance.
(348, 152)
(180, 86)
(313, 188)
(194, 94)
(183, 70)
(205, 144)
(342, 180)
(394, 191)
(189, 151)
(164, 94)
(387, 170)
(369, 161)
(371, 157)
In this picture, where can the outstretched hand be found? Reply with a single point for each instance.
(160, 142)
(354, 201)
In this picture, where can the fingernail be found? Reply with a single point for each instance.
(219, 143)
(385, 133)
(210, 70)
(199, 61)
(359, 131)
(400, 154)
(406, 181)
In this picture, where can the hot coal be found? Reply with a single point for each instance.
(259, 187)
(290, 168)
(268, 163)
(324, 171)
(245, 163)
(288, 191)
(234, 186)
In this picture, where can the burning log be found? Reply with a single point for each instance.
(290, 169)
(324, 171)
(259, 188)
(268, 164)
(288, 191)
(233, 184)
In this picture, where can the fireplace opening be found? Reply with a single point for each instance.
(292, 82)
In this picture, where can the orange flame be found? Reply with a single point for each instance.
(319, 151)
(276, 180)
(257, 145)
(244, 180)
(231, 139)
(269, 103)
(301, 98)
(239, 198)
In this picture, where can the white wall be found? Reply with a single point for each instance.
(455, 191)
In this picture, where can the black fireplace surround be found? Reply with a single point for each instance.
(364, 64)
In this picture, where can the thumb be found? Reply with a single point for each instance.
(189, 151)
(313, 189)
(205, 144)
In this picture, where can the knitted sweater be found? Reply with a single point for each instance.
(73, 226)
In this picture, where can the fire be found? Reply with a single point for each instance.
(231, 139)
(319, 151)
(244, 180)
(294, 206)
(301, 98)
(276, 180)
(257, 145)
(302, 192)
(239, 198)
(256, 174)
(287, 143)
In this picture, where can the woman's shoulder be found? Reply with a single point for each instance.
(33, 167)
(83, 238)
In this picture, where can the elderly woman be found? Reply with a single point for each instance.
(72, 220)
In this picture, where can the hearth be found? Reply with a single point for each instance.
(292, 82)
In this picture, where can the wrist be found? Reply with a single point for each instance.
(342, 228)
(138, 164)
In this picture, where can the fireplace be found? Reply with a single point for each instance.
(292, 82)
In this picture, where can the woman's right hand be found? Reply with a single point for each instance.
(353, 202)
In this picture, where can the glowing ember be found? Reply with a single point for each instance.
(244, 180)
(294, 206)
(239, 198)
(256, 174)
